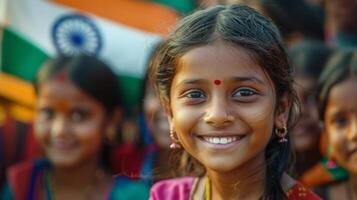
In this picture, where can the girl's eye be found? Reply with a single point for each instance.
(340, 122)
(77, 115)
(46, 113)
(195, 94)
(244, 93)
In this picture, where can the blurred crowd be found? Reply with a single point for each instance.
(108, 120)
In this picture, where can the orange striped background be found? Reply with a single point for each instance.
(150, 17)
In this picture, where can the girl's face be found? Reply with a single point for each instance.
(70, 125)
(223, 107)
(156, 118)
(306, 133)
(341, 123)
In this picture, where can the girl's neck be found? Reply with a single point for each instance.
(87, 181)
(238, 184)
(77, 177)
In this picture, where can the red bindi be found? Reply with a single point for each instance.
(217, 82)
(61, 77)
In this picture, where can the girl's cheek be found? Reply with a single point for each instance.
(40, 128)
(338, 144)
(41, 131)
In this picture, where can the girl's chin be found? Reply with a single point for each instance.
(64, 162)
(222, 165)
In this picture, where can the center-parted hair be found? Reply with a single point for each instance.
(242, 26)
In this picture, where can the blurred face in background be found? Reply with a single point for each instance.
(341, 123)
(70, 125)
(306, 133)
(156, 119)
(343, 14)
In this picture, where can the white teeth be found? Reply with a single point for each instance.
(220, 140)
(224, 140)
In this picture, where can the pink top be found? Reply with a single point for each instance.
(178, 189)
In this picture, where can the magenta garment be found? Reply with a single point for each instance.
(172, 189)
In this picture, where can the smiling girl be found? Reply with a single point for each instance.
(225, 82)
(338, 110)
(77, 113)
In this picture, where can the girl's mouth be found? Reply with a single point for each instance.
(221, 142)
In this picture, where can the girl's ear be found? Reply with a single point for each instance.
(282, 111)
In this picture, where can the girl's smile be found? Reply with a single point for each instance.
(221, 141)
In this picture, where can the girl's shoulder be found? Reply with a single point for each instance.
(176, 188)
(25, 178)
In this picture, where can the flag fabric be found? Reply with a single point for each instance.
(36, 30)
(182, 6)
(141, 14)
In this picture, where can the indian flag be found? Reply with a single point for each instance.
(37, 29)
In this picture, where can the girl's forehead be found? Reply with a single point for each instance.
(344, 92)
(218, 61)
(342, 98)
(62, 89)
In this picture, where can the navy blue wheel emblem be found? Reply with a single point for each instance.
(76, 34)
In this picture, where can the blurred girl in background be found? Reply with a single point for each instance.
(78, 111)
(338, 109)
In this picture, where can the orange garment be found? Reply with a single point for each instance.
(316, 176)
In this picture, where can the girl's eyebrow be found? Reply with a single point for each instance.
(248, 78)
(192, 81)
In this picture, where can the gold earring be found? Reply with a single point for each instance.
(174, 142)
(282, 134)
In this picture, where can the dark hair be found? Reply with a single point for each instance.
(90, 75)
(341, 66)
(242, 26)
(296, 15)
(309, 57)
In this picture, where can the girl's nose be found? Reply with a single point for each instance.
(218, 113)
(59, 127)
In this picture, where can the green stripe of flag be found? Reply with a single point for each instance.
(132, 92)
(19, 57)
(22, 59)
